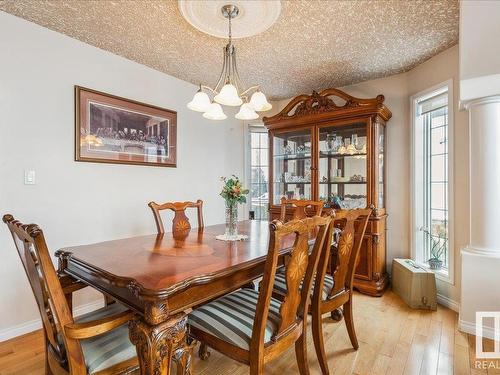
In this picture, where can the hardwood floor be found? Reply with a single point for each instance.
(393, 339)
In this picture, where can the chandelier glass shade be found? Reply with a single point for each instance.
(215, 112)
(246, 112)
(229, 89)
(200, 103)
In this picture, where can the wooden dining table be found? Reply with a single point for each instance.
(162, 277)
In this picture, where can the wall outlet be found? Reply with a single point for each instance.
(29, 177)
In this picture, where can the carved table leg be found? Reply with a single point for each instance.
(158, 345)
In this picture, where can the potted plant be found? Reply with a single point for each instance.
(438, 247)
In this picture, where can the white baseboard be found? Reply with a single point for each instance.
(33, 325)
(447, 302)
(470, 328)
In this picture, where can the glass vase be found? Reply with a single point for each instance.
(231, 220)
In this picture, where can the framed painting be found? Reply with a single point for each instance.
(110, 129)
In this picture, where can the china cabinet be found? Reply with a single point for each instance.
(330, 146)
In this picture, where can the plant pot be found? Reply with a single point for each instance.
(435, 264)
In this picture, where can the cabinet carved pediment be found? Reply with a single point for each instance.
(309, 106)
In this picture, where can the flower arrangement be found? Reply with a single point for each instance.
(233, 191)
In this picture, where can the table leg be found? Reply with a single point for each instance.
(161, 344)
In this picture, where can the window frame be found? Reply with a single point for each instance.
(448, 277)
(248, 161)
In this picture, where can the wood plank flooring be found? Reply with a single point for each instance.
(393, 339)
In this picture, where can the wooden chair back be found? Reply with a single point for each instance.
(299, 270)
(54, 310)
(299, 207)
(180, 222)
(348, 247)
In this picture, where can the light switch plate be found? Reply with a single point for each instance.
(29, 177)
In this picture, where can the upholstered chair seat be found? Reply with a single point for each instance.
(280, 284)
(231, 318)
(109, 349)
(253, 327)
(96, 343)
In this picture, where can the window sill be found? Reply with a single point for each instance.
(442, 274)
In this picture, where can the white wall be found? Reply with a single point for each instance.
(479, 57)
(77, 203)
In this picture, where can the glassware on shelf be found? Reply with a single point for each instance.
(330, 142)
(342, 146)
(354, 140)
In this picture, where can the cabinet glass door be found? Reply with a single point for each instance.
(292, 165)
(343, 166)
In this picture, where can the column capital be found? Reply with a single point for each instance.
(468, 104)
(475, 250)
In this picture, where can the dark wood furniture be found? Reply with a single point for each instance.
(330, 146)
(161, 278)
(299, 208)
(65, 338)
(181, 226)
(288, 319)
(180, 221)
(353, 224)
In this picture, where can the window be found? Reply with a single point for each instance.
(258, 172)
(431, 181)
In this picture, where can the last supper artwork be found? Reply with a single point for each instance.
(110, 129)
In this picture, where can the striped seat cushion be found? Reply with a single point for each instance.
(280, 283)
(230, 318)
(109, 348)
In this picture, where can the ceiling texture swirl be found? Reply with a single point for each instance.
(312, 45)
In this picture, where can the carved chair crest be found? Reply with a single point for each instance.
(180, 222)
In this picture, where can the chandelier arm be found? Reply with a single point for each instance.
(256, 88)
(222, 78)
(236, 75)
(209, 89)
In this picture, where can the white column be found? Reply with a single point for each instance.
(480, 284)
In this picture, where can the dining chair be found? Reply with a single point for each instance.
(180, 225)
(96, 343)
(251, 326)
(334, 286)
(300, 207)
(180, 221)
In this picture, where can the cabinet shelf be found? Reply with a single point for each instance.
(344, 183)
(323, 154)
(292, 157)
(293, 183)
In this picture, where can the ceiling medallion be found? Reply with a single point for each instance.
(229, 89)
(254, 16)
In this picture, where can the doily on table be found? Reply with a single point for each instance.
(237, 237)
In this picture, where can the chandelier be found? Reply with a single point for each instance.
(229, 89)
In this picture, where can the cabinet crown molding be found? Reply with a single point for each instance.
(320, 106)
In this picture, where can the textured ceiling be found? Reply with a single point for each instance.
(313, 45)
